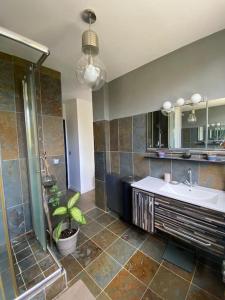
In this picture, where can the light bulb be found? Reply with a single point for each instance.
(167, 105)
(196, 98)
(90, 71)
(192, 117)
(180, 102)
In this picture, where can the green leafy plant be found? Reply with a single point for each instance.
(70, 212)
(55, 195)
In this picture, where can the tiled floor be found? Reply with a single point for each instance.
(121, 262)
(31, 263)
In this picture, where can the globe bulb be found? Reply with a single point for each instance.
(180, 101)
(90, 71)
(196, 98)
(167, 105)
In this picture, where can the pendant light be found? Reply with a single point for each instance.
(90, 70)
(192, 117)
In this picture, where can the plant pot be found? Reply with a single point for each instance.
(68, 245)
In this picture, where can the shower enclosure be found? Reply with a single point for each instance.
(12, 249)
(34, 170)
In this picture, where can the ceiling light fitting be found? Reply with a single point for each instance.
(90, 70)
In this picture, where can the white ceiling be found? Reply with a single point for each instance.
(131, 32)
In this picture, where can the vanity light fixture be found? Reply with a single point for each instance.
(90, 70)
(168, 106)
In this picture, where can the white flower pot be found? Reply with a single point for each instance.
(68, 245)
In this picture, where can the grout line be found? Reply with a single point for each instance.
(103, 252)
(191, 281)
(20, 252)
(160, 265)
(123, 266)
(205, 291)
(36, 259)
(84, 269)
(148, 286)
(137, 249)
(129, 227)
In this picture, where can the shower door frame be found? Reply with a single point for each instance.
(30, 111)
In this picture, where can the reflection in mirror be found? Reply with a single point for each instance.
(187, 126)
(157, 130)
(216, 124)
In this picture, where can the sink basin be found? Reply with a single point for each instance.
(198, 195)
(195, 193)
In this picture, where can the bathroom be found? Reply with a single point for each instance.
(136, 159)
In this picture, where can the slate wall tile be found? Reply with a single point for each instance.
(53, 135)
(125, 134)
(7, 89)
(51, 98)
(100, 165)
(141, 165)
(114, 135)
(11, 182)
(100, 194)
(139, 133)
(126, 164)
(8, 135)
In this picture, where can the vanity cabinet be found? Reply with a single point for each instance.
(194, 224)
(143, 210)
(199, 226)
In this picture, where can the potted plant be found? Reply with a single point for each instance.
(66, 232)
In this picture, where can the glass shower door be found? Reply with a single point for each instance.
(34, 172)
(8, 286)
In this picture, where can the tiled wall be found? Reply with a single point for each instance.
(13, 138)
(101, 146)
(120, 145)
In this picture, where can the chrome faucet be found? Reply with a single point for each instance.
(188, 181)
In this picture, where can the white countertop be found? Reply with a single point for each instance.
(197, 195)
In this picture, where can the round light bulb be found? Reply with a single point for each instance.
(180, 101)
(167, 105)
(196, 98)
(91, 73)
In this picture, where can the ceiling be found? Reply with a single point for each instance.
(131, 32)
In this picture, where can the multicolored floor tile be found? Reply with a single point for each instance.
(125, 286)
(103, 269)
(121, 251)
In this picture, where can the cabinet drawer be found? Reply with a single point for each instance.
(194, 211)
(200, 227)
(192, 237)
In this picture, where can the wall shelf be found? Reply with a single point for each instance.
(193, 158)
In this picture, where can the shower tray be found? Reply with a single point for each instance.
(36, 270)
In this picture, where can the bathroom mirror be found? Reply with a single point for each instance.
(216, 124)
(157, 129)
(187, 126)
(198, 127)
